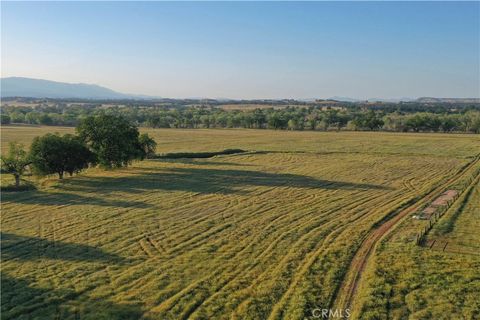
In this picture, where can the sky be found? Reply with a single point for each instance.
(249, 50)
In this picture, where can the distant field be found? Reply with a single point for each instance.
(25, 133)
(197, 140)
(266, 234)
(250, 106)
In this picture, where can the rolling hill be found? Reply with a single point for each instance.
(38, 88)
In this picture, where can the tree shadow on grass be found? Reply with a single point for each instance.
(30, 248)
(203, 180)
(21, 300)
(65, 198)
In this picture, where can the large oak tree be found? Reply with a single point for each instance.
(115, 140)
(55, 154)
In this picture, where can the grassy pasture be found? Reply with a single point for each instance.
(246, 236)
(25, 134)
(202, 140)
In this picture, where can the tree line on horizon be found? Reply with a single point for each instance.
(107, 141)
(387, 117)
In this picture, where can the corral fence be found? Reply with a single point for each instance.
(440, 210)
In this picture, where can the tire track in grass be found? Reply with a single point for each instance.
(353, 201)
(254, 213)
(360, 215)
(309, 261)
(200, 239)
(269, 190)
(171, 302)
(245, 248)
(329, 222)
(388, 201)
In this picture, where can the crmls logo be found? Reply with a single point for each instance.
(330, 313)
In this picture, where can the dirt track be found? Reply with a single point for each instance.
(346, 294)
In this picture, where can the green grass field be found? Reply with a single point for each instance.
(263, 235)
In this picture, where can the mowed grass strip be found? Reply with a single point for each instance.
(248, 236)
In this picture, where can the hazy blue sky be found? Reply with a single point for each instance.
(249, 49)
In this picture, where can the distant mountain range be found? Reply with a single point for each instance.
(38, 88)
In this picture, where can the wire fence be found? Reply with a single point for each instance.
(442, 209)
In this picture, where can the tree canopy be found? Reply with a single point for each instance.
(284, 114)
(16, 161)
(113, 139)
(147, 146)
(55, 154)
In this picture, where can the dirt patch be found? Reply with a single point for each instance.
(445, 198)
(442, 201)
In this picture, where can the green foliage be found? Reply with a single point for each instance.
(147, 146)
(413, 117)
(113, 139)
(55, 154)
(17, 117)
(5, 119)
(79, 157)
(368, 121)
(16, 161)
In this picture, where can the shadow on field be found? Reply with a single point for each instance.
(63, 198)
(21, 300)
(29, 248)
(202, 180)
